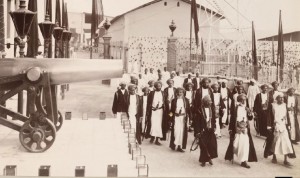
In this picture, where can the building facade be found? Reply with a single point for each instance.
(140, 36)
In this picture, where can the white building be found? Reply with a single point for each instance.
(81, 27)
(140, 35)
(153, 20)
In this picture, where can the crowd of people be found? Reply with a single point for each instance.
(161, 105)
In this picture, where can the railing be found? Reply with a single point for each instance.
(266, 74)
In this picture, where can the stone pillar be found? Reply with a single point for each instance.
(172, 53)
(106, 40)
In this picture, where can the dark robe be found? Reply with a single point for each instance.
(196, 84)
(232, 126)
(167, 118)
(149, 114)
(207, 140)
(192, 115)
(271, 93)
(221, 107)
(262, 114)
(227, 103)
(139, 114)
(173, 121)
(186, 81)
(120, 103)
(296, 110)
(270, 139)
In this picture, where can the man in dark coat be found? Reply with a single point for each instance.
(154, 114)
(241, 143)
(169, 95)
(262, 110)
(135, 111)
(120, 103)
(203, 91)
(187, 80)
(196, 81)
(205, 126)
(227, 99)
(293, 109)
(190, 95)
(180, 112)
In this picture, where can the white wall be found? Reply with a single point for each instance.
(154, 21)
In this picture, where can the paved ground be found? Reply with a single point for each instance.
(92, 98)
(92, 143)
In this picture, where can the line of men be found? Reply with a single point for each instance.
(207, 108)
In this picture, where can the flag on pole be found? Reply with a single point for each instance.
(194, 16)
(58, 13)
(280, 52)
(254, 54)
(33, 40)
(202, 51)
(97, 18)
(273, 52)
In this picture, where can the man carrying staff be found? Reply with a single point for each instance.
(262, 109)
(205, 126)
(227, 99)
(293, 109)
(144, 99)
(180, 112)
(155, 113)
(169, 94)
(203, 91)
(241, 143)
(134, 110)
(120, 103)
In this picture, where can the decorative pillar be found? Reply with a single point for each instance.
(171, 54)
(172, 49)
(106, 39)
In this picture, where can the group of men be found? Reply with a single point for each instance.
(168, 107)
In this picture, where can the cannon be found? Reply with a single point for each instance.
(39, 77)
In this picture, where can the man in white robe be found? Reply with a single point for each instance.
(253, 90)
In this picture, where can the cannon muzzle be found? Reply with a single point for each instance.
(63, 71)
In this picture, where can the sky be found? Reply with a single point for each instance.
(264, 13)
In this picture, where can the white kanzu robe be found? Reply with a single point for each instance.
(179, 123)
(281, 144)
(132, 110)
(225, 97)
(145, 99)
(291, 103)
(217, 97)
(157, 116)
(241, 141)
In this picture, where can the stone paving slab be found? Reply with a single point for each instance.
(92, 143)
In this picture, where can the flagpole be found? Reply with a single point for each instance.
(191, 35)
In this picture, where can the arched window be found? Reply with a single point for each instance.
(166, 3)
(178, 4)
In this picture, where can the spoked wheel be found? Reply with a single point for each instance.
(60, 121)
(37, 135)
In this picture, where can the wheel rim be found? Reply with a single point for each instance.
(36, 136)
(60, 121)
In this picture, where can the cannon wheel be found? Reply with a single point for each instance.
(37, 136)
(60, 120)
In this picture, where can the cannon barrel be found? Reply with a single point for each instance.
(64, 70)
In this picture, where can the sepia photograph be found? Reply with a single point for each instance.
(150, 88)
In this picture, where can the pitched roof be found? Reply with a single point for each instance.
(155, 1)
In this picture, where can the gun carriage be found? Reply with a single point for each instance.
(39, 77)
